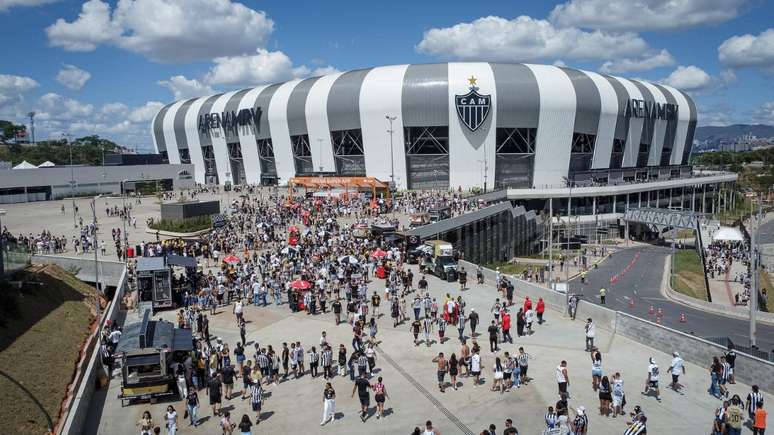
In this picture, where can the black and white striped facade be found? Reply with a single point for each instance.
(543, 124)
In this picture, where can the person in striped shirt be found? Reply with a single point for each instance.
(754, 397)
(327, 361)
(256, 400)
(638, 427)
(523, 360)
(314, 361)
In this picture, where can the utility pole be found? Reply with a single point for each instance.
(126, 217)
(32, 126)
(68, 138)
(390, 119)
(754, 274)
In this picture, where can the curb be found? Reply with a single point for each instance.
(679, 298)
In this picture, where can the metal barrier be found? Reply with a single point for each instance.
(726, 341)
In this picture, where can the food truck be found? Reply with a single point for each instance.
(148, 352)
(154, 282)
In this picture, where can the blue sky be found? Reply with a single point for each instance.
(107, 67)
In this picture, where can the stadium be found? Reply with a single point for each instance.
(535, 130)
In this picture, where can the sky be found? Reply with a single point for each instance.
(106, 67)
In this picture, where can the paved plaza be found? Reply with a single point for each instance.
(295, 405)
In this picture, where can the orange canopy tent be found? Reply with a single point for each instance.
(354, 183)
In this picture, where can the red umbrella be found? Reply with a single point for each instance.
(231, 259)
(379, 253)
(293, 229)
(300, 284)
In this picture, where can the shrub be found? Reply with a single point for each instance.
(189, 225)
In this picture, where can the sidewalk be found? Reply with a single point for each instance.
(723, 287)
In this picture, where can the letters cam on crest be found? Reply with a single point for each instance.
(473, 108)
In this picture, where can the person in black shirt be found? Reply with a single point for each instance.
(509, 429)
(492, 337)
(463, 278)
(473, 319)
(214, 390)
(362, 386)
(415, 326)
(228, 381)
(337, 310)
(245, 425)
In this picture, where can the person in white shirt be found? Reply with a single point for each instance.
(651, 381)
(590, 334)
(475, 367)
(677, 368)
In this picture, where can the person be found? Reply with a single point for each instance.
(380, 394)
(580, 424)
(192, 402)
(509, 428)
(638, 427)
(540, 309)
(146, 423)
(430, 430)
(523, 360)
(463, 278)
(605, 396)
(415, 327)
(562, 378)
(754, 397)
(497, 369)
(329, 404)
(442, 367)
(228, 374)
(493, 330)
(731, 360)
(719, 422)
(475, 366)
(596, 368)
(453, 370)
(618, 395)
(256, 399)
(473, 320)
(759, 420)
(715, 370)
(226, 424)
(572, 305)
(676, 369)
(590, 329)
(171, 418)
(214, 388)
(734, 417)
(337, 311)
(245, 425)
(551, 418)
(505, 325)
(362, 386)
(602, 294)
(651, 379)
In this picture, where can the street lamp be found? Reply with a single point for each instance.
(319, 147)
(68, 138)
(390, 119)
(96, 252)
(2, 250)
(126, 217)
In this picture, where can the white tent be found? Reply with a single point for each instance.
(728, 234)
(25, 165)
(47, 164)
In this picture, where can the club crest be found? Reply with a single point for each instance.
(473, 108)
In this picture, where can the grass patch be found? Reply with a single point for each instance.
(512, 268)
(189, 225)
(765, 282)
(40, 339)
(688, 277)
(685, 234)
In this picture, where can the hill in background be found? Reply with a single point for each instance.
(733, 131)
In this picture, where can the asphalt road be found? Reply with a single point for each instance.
(642, 281)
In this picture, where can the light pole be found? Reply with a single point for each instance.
(68, 138)
(390, 119)
(126, 217)
(319, 147)
(96, 251)
(754, 275)
(2, 250)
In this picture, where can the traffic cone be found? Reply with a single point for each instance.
(651, 310)
(682, 317)
(659, 313)
(631, 302)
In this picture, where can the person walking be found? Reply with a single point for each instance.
(506, 327)
(256, 399)
(493, 330)
(651, 380)
(591, 332)
(759, 420)
(245, 425)
(475, 366)
(442, 367)
(473, 320)
(677, 368)
(754, 397)
(171, 420)
(192, 403)
(602, 294)
(498, 375)
(453, 370)
(734, 417)
(329, 404)
(362, 386)
(562, 379)
(380, 395)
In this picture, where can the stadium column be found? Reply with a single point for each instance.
(248, 135)
(472, 144)
(316, 111)
(608, 116)
(634, 135)
(683, 120)
(380, 96)
(218, 134)
(173, 153)
(659, 127)
(280, 134)
(192, 135)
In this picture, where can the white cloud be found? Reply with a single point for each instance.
(634, 15)
(716, 115)
(263, 67)
(643, 63)
(145, 113)
(114, 108)
(526, 39)
(12, 90)
(72, 77)
(689, 79)
(753, 51)
(54, 106)
(181, 87)
(559, 62)
(765, 113)
(165, 31)
(8, 4)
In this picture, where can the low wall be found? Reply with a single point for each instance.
(109, 273)
(749, 369)
(76, 407)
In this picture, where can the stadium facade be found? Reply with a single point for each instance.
(453, 125)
